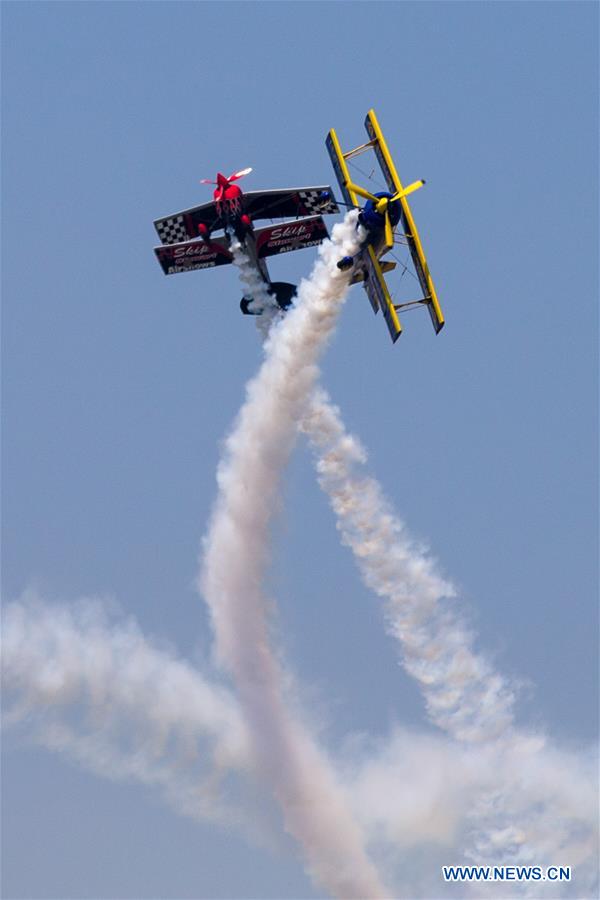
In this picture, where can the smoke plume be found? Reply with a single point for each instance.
(315, 809)
(119, 705)
(511, 814)
(463, 695)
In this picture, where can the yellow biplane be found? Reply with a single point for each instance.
(386, 217)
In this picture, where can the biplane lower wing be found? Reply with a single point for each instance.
(408, 224)
(290, 202)
(384, 265)
(274, 239)
(191, 255)
(340, 167)
(378, 293)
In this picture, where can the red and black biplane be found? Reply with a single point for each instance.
(189, 241)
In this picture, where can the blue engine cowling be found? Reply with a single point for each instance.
(374, 221)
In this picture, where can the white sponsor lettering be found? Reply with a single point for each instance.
(173, 270)
(289, 247)
(196, 249)
(289, 231)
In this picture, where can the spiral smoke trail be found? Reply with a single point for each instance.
(513, 819)
(464, 696)
(100, 694)
(103, 695)
(315, 808)
(107, 698)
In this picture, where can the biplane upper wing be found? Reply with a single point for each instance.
(410, 229)
(289, 203)
(378, 293)
(273, 239)
(340, 168)
(190, 255)
(183, 226)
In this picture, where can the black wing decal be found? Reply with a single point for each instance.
(290, 203)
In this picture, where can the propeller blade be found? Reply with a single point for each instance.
(239, 174)
(409, 190)
(207, 181)
(361, 192)
(389, 232)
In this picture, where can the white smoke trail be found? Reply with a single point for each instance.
(314, 806)
(127, 710)
(463, 695)
(262, 302)
(536, 800)
(99, 694)
(415, 792)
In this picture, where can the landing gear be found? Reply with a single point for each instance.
(346, 262)
(245, 307)
(282, 291)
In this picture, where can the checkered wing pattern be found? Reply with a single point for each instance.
(312, 201)
(172, 230)
(183, 226)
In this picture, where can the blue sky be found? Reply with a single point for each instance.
(119, 384)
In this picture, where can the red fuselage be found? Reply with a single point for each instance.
(227, 197)
(229, 207)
